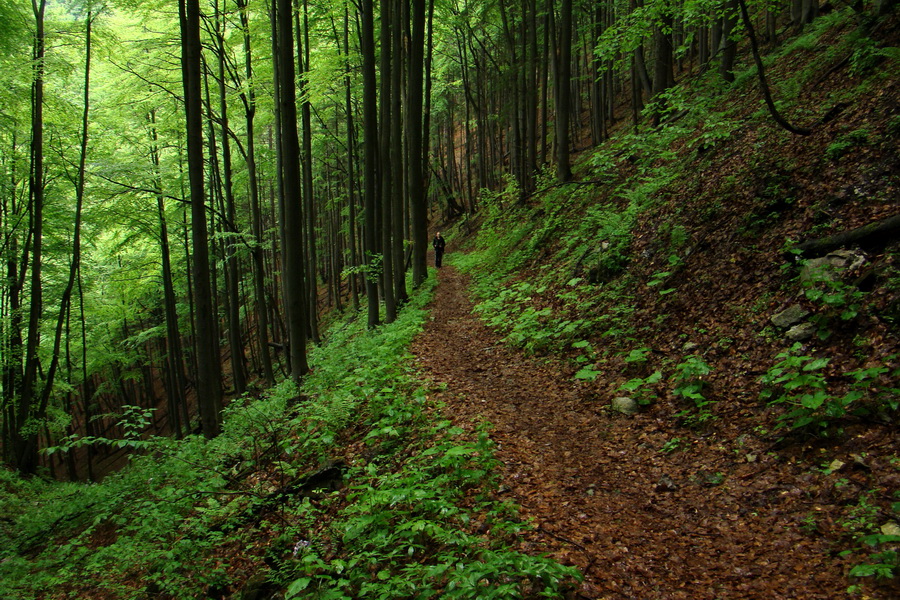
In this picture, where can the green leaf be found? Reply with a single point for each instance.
(587, 374)
(813, 401)
(459, 451)
(297, 586)
(816, 364)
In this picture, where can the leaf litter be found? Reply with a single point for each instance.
(644, 509)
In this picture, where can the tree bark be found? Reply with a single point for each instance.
(75, 264)
(563, 105)
(764, 86)
(209, 388)
(417, 149)
(351, 164)
(394, 250)
(25, 442)
(259, 287)
(728, 49)
(174, 354)
(292, 224)
(309, 200)
(370, 143)
(389, 8)
(232, 274)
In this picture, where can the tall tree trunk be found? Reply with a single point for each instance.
(209, 387)
(293, 251)
(174, 354)
(417, 199)
(308, 196)
(351, 164)
(394, 254)
(11, 353)
(75, 264)
(259, 286)
(761, 74)
(87, 387)
(426, 130)
(389, 8)
(25, 443)
(663, 76)
(370, 143)
(232, 272)
(563, 103)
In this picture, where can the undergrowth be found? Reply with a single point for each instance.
(588, 271)
(351, 486)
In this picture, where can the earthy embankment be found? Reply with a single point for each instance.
(643, 514)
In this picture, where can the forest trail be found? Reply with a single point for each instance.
(701, 522)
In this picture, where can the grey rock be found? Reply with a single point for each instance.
(831, 266)
(789, 316)
(625, 405)
(801, 332)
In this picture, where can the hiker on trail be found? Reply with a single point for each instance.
(438, 244)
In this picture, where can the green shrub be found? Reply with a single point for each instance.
(798, 382)
(689, 384)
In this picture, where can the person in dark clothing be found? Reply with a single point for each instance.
(438, 244)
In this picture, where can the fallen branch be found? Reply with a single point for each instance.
(873, 235)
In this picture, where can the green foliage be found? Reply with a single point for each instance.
(689, 384)
(671, 445)
(407, 536)
(799, 382)
(405, 529)
(879, 542)
(512, 311)
(640, 389)
(134, 421)
(846, 141)
(867, 55)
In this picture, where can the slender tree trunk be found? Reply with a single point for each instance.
(174, 354)
(351, 163)
(12, 334)
(426, 125)
(394, 254)
(386, 173)
(370, 143)
(25, 444)
(763, 84)
(87, 387)
(232, 273)
(702, 46)
(209, 388)
(259, 286)
(294, 251)
(563, 105)
(309, 200)
(414, 127)
(75, 264)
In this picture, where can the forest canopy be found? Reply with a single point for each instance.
(188, 187)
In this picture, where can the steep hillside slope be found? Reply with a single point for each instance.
(663, 275)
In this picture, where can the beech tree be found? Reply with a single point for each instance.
(209, 387)
(303, 175)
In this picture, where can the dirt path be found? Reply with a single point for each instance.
(706, 521)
